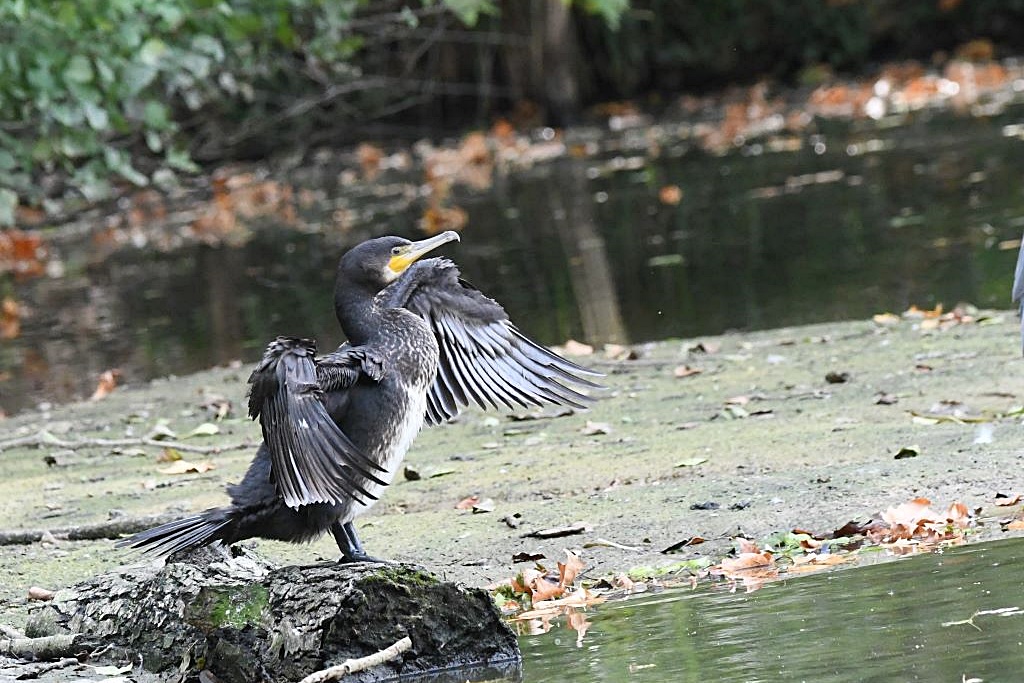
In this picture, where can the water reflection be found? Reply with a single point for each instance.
(850, 223)
(879, 623)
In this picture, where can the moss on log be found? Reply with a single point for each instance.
(244, 620)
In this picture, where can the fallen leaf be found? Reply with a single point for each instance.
(1016, 525)
(485, 505)
(884, 399)
(186, 467)
(885, 319)
(1007, 499)
(107, 383)
(543, 588)
(907, 452)
(685, 371)
(570, 569)
(467, 503)
(556, 532)
(205, 429)
(595, 428)
(691, 462)
(527, 557)
(111, 670)
(169, 455)
(685, 543)
(834, 377)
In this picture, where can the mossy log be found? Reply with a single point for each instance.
(243, 620)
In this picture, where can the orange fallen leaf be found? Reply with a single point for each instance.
(107, 383)
(570, 569)
(1016, 525)
(467, 503)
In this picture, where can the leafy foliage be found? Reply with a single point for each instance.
(97, 91)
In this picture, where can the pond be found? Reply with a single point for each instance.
(897, 621)
(853, 220)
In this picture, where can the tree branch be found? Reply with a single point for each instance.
(362, 663)
(111, 530)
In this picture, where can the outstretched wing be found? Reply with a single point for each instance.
(312, 461)
(1018, 290)
(485, 359)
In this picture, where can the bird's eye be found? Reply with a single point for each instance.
(396, 250)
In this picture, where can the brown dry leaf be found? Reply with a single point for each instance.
(1007, 499)
(619, 352)
(670, 195)
(10, 319)
(467, 503)
(542, 588)
(685, 371)
(623, 581)
(813, 562)
(186, 467)
(1016, 525)
(107, 383)
(570, 569)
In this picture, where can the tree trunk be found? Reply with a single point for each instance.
(243, 620)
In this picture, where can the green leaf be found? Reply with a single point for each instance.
(78, 70)
(8, 203)
(154, 142)
(469, 11)
(96, 116)
(152, 51)
(7, 160)
(155, 115)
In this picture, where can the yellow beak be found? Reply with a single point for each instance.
(409, 253)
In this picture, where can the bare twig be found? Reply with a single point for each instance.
(353, 665)
(45, 438)
(113, 529)
(37, 670)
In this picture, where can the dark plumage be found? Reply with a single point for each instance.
(422, 345)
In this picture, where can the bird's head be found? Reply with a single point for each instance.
(378, 262)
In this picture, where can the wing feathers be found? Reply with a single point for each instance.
(312, 460)
(485, 360)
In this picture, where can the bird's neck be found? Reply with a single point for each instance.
(353, 304)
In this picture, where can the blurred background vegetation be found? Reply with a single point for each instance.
(100, 93)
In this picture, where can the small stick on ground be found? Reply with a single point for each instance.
(111, 530)
(37, 670)
(46, 439)
(352, 665)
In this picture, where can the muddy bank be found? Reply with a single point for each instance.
(758, 438)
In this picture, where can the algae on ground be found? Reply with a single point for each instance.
(807, 454)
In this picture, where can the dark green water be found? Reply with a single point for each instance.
(851, 223)
(879, 623)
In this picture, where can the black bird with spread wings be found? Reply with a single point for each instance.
(422, 345)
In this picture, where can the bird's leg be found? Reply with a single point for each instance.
(348, 543)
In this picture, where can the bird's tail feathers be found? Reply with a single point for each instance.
(182, 534)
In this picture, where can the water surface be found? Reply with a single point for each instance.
(842, 224)
(887, 622)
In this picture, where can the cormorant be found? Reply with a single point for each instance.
(422, 345)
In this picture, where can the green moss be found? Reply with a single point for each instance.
(232, 606)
